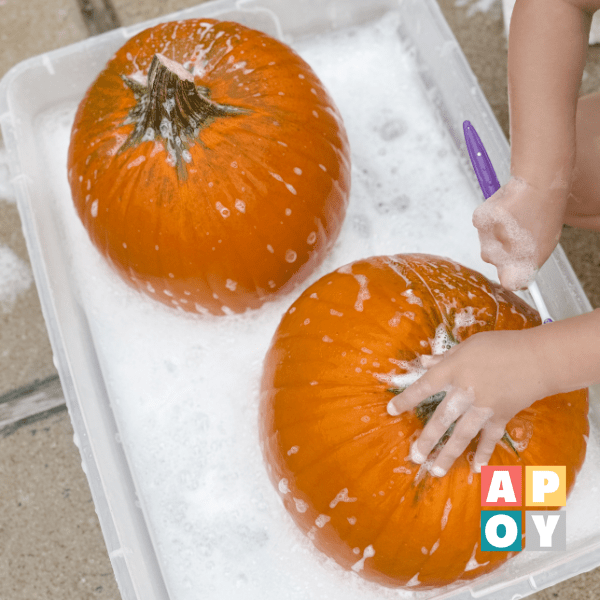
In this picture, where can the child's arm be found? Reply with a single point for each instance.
(520, 225)
(547, 51)
(493, 375)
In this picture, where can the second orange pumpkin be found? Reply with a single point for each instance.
(340, 462)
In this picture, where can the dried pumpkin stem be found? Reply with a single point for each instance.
(172, 108)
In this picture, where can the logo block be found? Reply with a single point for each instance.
(501, 486)
(501, 530)
(546, 530)
(545, 486)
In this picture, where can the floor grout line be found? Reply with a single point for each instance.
(43, 397)
(30, 388)
(30, 403)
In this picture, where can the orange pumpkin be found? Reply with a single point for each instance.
(340, 462)
(209, 165)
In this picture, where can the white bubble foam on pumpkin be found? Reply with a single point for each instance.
(184, 390)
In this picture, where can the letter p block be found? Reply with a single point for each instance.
(545, 486)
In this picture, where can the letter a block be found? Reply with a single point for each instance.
(501, 486)
(545, 486)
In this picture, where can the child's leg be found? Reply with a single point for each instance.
(583, 209)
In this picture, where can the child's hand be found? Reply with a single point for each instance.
(488, 379)
(519, 227)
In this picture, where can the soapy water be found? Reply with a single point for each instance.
(184, 389)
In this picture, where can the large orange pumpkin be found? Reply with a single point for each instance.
(340, 462)
(209, 165)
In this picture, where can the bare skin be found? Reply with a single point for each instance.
(555, 167)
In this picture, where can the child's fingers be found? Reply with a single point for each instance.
(429, 384)
(431, 360)
(450, 409)
(467, 427)
(432, 382)
(491, 434)
(410, 397)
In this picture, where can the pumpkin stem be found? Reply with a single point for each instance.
(425, 409)
(173, 108)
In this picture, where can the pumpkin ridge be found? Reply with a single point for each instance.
(124, 219)
(497, 303)
(385, 524)
(375, 461)
(318, 418)
(340, 395)
(288, 225)
(319, 337)
(327, 385)
(434, 317)
(442, 316)
(273, 203)
(290, 150)
(332, 449)
(355, 436)
(266, 170)
(335, 182)
(248, 271)
(215, 226)
(374, 322)
(240, 29)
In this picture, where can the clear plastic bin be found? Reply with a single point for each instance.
(36, 86)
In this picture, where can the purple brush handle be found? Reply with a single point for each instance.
(482, 165)
(488, 182)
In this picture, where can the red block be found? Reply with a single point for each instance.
(501, 486)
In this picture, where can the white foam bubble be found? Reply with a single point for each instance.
(441, 342)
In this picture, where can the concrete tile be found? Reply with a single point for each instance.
(25, 353)
(51, 546)
(133, 11)
(582, 587)
(583, 249)
(27, 29)
(31, 27)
